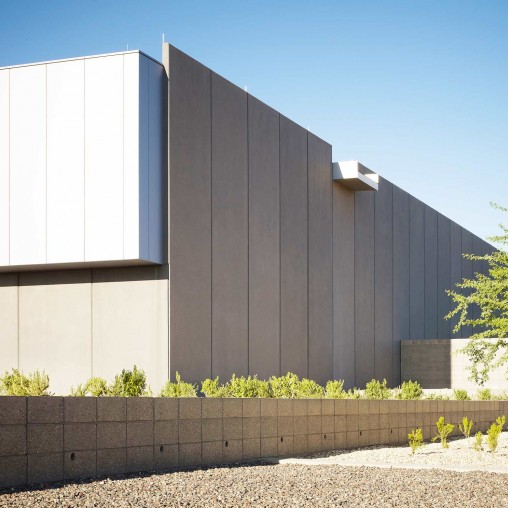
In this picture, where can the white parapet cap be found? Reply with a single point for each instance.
(355, 176)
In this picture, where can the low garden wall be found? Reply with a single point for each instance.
(46, 439)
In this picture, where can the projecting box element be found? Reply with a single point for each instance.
(355, 176)
(82, 163)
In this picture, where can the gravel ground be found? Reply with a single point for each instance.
(278, 485)
(459, 454)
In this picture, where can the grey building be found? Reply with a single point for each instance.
(208, 234)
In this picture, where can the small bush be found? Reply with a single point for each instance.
(95, 386)
(415, 440)
(409, 390)
(377, 390)
(335, 390)
(178, 389)
(130, 383)
(484, 394)
(459, 394)
(285, 387)
(247, 387)
(466, 426)
(213, 389)
(354, 393)
(309, 389)
(16, 383)
(443, 431)
(478, 442)
(493, 433)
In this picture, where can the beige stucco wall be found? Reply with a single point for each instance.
(78, 324)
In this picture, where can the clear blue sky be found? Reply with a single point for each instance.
(416, 90)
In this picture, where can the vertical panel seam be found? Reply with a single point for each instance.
(280, 256)
(211, 225)
(123, 156)
(148, 157)
(84, 160)
(354, 289)
(374, 281)
(308, 261)
(9, 166)
(248, 239)
(46, 166)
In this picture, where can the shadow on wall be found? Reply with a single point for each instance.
(96, 275)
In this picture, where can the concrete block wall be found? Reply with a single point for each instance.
(55, 439)
(439, 364)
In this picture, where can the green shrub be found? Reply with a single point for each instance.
(478, 442)
(459, 394)
(335, 390)
(443, 431)
(95, 386)
(415, 440)
(309, 389)
(409, 390)
(213, 389)
(285, 387)
(130, 383)
(493, 433)
(377, 390)
(16, 383)
(466, 426)
(247, 387)
(178, 389)
(484, 394)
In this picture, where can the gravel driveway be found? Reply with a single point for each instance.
(278, 485)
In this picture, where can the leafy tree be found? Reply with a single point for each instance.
(489, 292)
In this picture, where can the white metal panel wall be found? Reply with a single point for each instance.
(82, 164)
(104, 158)
(132, 170)
(28, 165)
(4, 167)
(65, 162)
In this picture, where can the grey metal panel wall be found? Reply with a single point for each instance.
(190, 217)
(264, 243)
(455, 267)
(416, 268)
(364, 287)
(430, 243)
(383, 283)
(344, 284)
(443, 276)
(294, 248)
(229, 229)
(467, 271)
(401, 289)
(320, 259)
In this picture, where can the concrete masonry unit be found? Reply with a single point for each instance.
(54, 439)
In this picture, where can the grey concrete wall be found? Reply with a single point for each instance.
(48, 439)
(440, 364)
(276, 267)
(83, 323)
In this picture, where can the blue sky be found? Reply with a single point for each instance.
(416, 90)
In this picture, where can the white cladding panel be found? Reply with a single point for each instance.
(66, 162)
(132, 169)
(156, 147)
(28, 165)
(4, 167)
(81, 162)
(104, 158)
